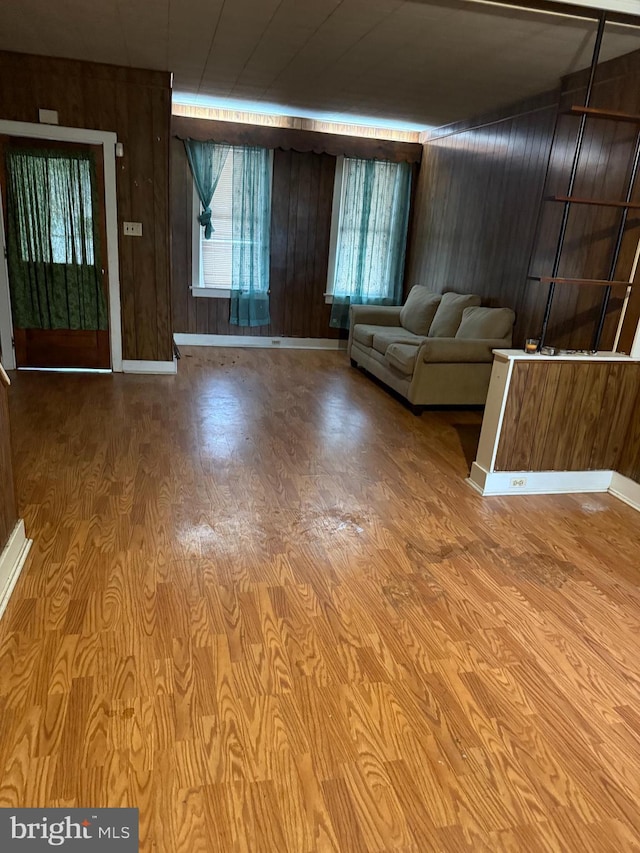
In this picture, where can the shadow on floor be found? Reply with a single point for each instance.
(469, 435)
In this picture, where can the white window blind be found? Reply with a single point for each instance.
(216, 252)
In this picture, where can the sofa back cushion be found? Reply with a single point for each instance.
(419, 310)
(486, 323)
(449, 313)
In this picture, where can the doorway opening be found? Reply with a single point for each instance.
(59, 281)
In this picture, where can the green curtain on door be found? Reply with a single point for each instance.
(53, 240)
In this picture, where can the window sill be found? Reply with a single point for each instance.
(211, 292)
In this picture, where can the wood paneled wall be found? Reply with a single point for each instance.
(629, 462)
(300, 230)
(572, 416)
(477, 202)
(8, 509)
(300, 223)
(603, 173)
(480, 191)
(137, 106)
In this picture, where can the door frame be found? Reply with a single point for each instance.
(107, 140)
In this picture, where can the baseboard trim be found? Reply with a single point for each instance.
(154, 367)
(625, 489)
(258, 341)
(496, 483)
(12, 560)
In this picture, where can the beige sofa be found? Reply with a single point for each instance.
(437, 349)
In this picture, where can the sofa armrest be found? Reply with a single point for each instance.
(377, 315)
(458, 350)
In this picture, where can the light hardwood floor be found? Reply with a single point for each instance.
(264, 607)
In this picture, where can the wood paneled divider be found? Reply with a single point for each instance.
(136, 105)
(572, 416)
(8, 509)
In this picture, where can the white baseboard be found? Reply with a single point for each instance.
(149, 366)
(625, 489)
(258, 341)
(537, 482)
(12, 560)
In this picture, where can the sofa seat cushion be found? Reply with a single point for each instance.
(483, 323)
(419, 310)
(402, 357)
(449, 314)
(363, 332)
(384, 337)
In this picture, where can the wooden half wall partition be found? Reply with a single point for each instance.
(136, 105)
(560, 424)
(14, 546)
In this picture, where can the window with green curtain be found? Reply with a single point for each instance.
(235, 245)
(371, 237)
(53, 242)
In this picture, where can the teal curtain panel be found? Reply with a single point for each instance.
(250, 221)
(206, 160)
(251, 237)
(372, 236)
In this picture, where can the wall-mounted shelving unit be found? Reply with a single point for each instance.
(587, 113)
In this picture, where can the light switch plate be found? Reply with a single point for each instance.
(132, 229)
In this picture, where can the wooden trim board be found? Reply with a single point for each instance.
(258, 341)
(12, 559)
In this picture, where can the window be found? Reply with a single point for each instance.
(212, 259)
(65, 235)
(368, 231)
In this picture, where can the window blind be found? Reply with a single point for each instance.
(216, 252)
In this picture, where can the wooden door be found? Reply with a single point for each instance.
(42, 337)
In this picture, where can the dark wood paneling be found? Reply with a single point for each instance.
(300, 224)
(629, 458)
(8, 511)
(480, 190)
(136, 105)
(572, 416)
(476, 206)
